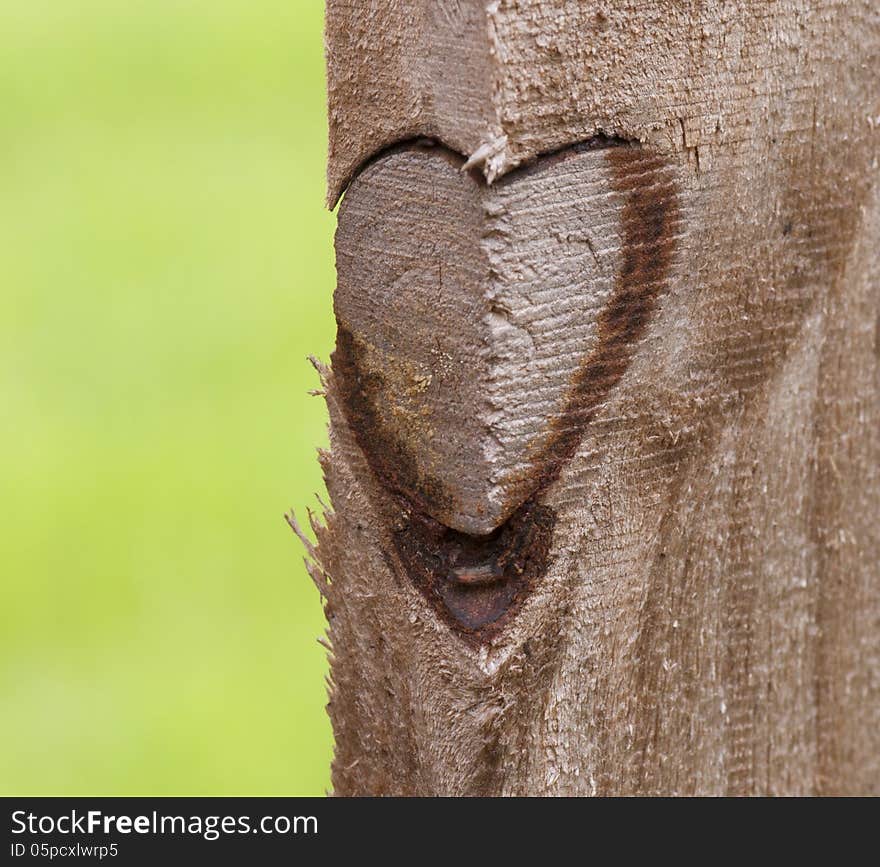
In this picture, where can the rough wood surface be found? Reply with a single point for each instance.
(605, 429)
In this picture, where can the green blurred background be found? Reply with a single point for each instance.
(166, 266)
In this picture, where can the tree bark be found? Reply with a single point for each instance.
(605, 399)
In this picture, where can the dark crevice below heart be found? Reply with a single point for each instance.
(476, 582)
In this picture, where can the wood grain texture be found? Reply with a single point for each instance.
(664, 340)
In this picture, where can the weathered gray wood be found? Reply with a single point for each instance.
(475, 316)
(649, 364)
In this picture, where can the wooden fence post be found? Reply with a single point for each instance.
(605, 399)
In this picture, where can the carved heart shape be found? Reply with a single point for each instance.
(479, 328)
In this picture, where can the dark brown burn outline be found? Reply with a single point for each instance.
(477, 583)
(362, 387)
(650, 221)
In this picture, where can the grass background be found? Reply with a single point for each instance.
(166, 267)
